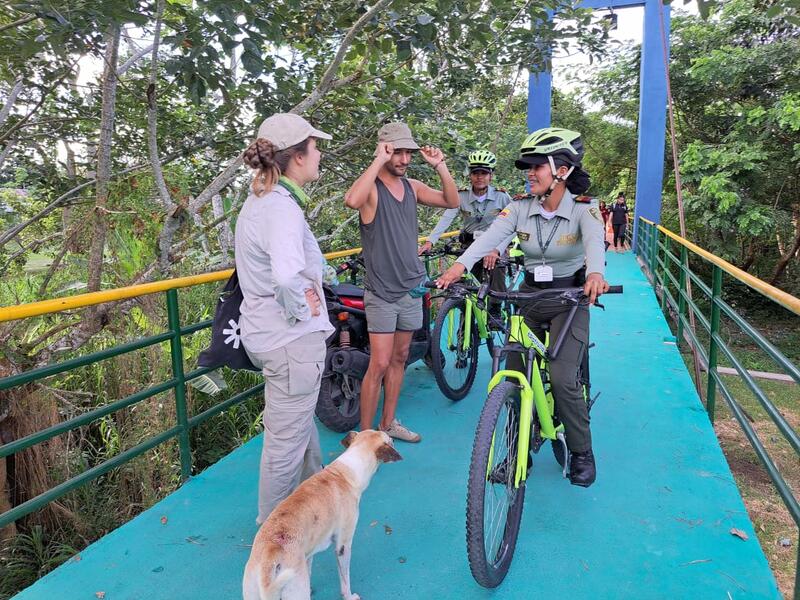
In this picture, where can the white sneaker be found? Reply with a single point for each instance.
(400, 432)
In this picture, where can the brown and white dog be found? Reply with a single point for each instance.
(321, 511)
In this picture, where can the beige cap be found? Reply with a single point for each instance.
(399, 135)
(285, 130)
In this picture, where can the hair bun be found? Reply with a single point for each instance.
(260, 154)
(579, 181)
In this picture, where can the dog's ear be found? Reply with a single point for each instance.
(386, 453)
(348, 439)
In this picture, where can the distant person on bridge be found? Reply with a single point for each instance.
(387, 203)
(575, 257)
(604, 212)
(479, 205)
(619, 221)
(283, 324)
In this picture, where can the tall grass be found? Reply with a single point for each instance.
(51, 536)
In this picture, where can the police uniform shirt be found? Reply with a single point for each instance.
(475, 215)
(578, 236)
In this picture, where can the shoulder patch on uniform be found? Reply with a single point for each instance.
(462, 189)
(583, 199)
(595, 213)
(521, 196)
(503, 213)
(501, 190)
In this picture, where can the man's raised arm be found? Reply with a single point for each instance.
(358, 194)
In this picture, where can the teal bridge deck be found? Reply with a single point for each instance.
(657, 524)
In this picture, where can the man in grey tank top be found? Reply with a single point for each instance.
(387, 205)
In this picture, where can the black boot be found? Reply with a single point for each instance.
(581, 468)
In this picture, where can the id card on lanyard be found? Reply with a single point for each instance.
(544, 273)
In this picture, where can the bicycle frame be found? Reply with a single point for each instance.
(532, 392)
(481, 317)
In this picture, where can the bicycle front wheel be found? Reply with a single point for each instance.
(454, 366)
(494, 505)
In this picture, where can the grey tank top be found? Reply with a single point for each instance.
(390, 245)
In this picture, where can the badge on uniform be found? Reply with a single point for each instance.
(543, 273)
(523, 237)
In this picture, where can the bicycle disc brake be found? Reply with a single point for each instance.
(536, 438)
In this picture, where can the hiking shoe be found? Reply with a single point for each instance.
(400, 432)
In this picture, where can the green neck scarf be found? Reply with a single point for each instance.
(295, 190)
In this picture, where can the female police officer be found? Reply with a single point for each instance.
(562, 239)
(283, 324)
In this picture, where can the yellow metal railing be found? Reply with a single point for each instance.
(786, 300)
(44, 307)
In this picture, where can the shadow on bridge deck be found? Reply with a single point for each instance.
(655, 525)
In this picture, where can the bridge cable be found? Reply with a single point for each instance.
(679, 193)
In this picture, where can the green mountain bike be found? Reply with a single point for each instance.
(461, 326)
(517, 418)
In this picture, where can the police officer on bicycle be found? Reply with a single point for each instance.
(479, 206)
(561, 236)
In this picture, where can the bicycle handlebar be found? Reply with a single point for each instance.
(572, 293)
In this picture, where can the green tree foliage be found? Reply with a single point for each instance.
(736, 91)
(221, 67)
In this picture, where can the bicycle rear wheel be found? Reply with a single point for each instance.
(494, 505)
(454, 367)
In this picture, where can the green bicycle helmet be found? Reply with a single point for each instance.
(481, 159)
(558, 147)
(561, 145)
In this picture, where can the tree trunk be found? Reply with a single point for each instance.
(750, 258)
(792, 250)
(152, 116)
(100, 220)
(10, 100)
(224, 232)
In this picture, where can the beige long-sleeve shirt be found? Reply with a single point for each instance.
(277, 260)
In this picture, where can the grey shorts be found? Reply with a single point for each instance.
(388, 317)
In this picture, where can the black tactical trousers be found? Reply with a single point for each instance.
(497, 279)
(570, 405)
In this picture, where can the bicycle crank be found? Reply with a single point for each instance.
(592, 401)
(563, 440)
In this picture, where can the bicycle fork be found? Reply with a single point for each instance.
(533, 404)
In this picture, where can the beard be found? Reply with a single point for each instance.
(398, 171)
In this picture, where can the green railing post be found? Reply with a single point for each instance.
(653, 255)
(716, 290)
(684, 275)
(664, 277)
(797, 577)
(645, 244)
(176, 350)
(642, 241)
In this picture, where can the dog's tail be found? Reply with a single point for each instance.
(265, 583)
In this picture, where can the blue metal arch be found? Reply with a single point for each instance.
(652, 105)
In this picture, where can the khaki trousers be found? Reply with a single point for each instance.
(291, 453)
